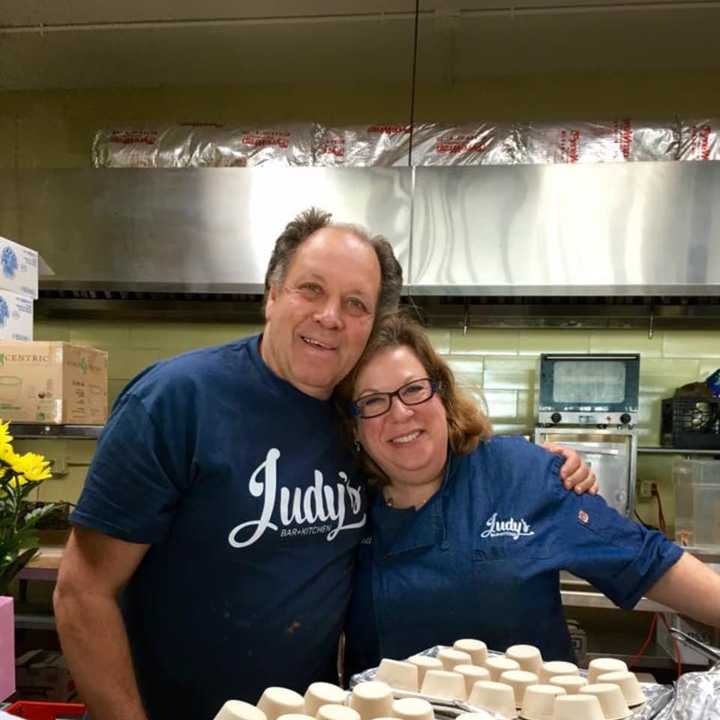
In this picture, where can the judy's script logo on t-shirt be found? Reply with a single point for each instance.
(300, 509)
(506, 528)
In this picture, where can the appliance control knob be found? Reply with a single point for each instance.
(556, 417)
(625, 419)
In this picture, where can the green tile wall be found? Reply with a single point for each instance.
(497, 367)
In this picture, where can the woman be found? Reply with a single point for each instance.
(469, 531)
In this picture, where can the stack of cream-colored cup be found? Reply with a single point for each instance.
(322, 700)
(521, 684)
(516, 684)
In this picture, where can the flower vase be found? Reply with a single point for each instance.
(7, 647)
(9, 572)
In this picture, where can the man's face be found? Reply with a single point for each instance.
(320, 318)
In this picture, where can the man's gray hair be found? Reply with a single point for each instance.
(301, 227)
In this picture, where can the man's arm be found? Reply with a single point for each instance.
(690, 588)
(575, 473)
(94, 569)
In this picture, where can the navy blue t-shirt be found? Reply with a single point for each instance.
(240, 484)
(482, 558)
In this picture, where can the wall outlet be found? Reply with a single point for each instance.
(645, 489)
(58, 467)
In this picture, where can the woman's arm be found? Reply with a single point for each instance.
(691, 588)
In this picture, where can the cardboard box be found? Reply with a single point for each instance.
(703, 633)
(18, 269)
(7, 648)
(43, 675)
(16, 316)
(53, 382)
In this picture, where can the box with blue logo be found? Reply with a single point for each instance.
(18, 269)
(16, 316)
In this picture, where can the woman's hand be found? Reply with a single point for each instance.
(575, 473)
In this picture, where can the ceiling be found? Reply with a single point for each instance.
(87, 44)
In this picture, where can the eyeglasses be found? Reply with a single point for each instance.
(412, 393)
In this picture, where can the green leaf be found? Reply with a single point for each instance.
(34, 516)
(9, 570)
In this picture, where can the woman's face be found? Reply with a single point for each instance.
(408, 442)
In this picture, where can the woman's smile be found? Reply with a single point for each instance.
(407, 438)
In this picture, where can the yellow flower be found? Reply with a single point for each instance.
(7, 454)
(5, 436)
(17, 481)
(31, 467)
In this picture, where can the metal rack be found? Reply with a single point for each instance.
(676, 451)
(40, 430)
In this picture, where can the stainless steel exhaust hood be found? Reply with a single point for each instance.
(186, 231)
(593, 229)
(569, 230)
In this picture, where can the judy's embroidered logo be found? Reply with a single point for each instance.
(301, 508)
(506, 528)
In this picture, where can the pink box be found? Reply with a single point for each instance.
(7, 648)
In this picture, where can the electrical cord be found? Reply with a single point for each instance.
(632, 662)
(676, 645)
(648, 638)
(643, 523)
(661, 515)
(413, 82)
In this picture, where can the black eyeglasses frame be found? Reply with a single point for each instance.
(434, 387)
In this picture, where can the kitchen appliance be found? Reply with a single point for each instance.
(211, 230)
(691, 422)
(600, 390)
(612, 454)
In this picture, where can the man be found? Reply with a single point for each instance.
(223, 503)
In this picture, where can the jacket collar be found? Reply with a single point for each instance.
(400, 531)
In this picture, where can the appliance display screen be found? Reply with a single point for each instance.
(580, 381)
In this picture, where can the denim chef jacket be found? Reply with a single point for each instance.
(482, 558)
